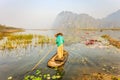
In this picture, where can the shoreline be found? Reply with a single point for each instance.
(11, 30)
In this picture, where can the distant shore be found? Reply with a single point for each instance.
(89, 29)
(11, 30)
(100, 29)
(7, 31)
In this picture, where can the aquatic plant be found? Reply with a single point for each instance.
(10, 78)
(20, 37)
(45, 39)
(41, 76)
(105, 36)
(1, 36)
(112, 41)
(23, 40)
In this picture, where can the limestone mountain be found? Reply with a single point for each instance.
(67, 19)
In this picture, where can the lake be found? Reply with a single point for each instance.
(83, 59)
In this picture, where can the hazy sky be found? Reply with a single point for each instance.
(41, 13)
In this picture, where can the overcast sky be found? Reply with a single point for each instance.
(41, 13)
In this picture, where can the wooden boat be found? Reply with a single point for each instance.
(55, 62)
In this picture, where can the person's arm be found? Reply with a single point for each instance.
(56, 41)
(63, 40)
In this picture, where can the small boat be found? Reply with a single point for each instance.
(55, 62)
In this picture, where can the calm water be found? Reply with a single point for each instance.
(45, 32)
(82, 59)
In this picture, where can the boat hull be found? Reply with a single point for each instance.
(56, 63)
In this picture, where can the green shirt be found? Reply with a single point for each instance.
(59, 40)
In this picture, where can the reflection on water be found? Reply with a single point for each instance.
(16, 62)
(82, 59)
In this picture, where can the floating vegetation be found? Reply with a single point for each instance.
(1, 36)
(102, 76)
(10, 78)
(109, 68)
(112, 41)
(39, 75)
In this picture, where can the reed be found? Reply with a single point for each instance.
(45, 39)
(1, 36)
(20, 37)
(23, 40)
(112, 41)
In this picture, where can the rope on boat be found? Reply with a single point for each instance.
(42, 59)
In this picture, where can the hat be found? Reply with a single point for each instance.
(58, 34)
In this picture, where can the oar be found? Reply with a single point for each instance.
(42, 59)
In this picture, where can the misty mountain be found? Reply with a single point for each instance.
(112, 20)
(67, 19)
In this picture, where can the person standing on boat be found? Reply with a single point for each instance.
(59, 43)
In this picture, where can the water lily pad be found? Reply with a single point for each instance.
(10, 78)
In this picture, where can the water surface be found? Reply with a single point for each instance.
(82, 59)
